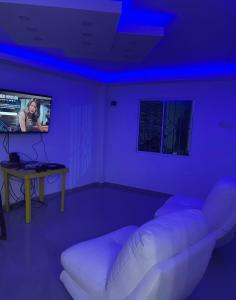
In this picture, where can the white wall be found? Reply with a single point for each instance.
(213, 140)
(73, 137)
(80, 121)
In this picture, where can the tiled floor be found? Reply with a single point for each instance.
(30, 258)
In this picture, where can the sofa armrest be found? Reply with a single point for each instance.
(178, 203)
(89, 262)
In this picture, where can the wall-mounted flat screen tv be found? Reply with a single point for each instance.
(22, 112)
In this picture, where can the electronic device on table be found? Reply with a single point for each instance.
(32, 165)
(42, 167)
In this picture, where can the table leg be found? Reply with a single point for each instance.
(3, 230)
(3, 235)
(41, 189)
(63, 192)
(27, 200)
(6, 188)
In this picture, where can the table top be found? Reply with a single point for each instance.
(22, 173)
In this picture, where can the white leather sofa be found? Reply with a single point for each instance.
(219, 207)
(163, 259)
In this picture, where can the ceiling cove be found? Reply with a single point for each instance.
(121, 41)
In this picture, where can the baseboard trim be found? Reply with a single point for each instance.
(112, 185)
(135, 189)
(56, 194)
(75, 190)
(100, 185)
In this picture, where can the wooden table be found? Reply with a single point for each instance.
(27, 175)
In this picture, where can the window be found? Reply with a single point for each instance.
(164, 126)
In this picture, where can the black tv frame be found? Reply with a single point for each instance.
(30, 94)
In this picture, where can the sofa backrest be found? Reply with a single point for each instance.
(220, 205)
(178, 276)
(153, 243)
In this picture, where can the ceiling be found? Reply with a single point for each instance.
(104, 38)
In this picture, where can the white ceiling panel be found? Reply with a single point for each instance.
(133, 47)
(94, 5)
(75, 33)
(99, 34)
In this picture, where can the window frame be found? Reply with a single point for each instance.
(191, 126)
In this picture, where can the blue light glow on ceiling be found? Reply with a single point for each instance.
(133, 15)
(33, 58)
(194, 72)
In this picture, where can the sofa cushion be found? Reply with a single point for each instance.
(88, 263)
(220, 205)
(151, 244)
(178, 203)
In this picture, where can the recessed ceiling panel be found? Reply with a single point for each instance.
(76, 32)
(133, 47)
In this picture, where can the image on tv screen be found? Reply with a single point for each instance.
(21, 112)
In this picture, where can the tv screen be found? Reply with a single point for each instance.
(22, 112)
